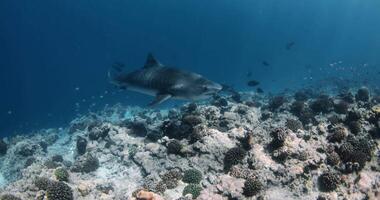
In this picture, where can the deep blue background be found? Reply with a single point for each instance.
(49, 48)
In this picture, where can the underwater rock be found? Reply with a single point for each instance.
(154, 135)
(281, 154)
(338, 134)
(145, 195)
(375, 132)
(276, 102)
(301, 96)
(9, 197)
(334, 120)
(57, 158)
(302, 111)
(220, 102)
(362, 94)
(347, 97)
(29, 161)
(51, 164)
(86, 164)
(50, 139)
(341, 107)
(229, 187)
(323, 104)
(105, 188)
(298, 107)
(97, 132)
(138, 128)
(353, 116)
(174, 147)
(81, 145)
(176, 130)
(294, 125)
(328, 181)
(171, 178)
(233, 157)
(192, 107)
(42, 183)
(192, 120)
(61, 174)
(3, 147)
(278, 138)
(252, 186)
(25, 149)
(44, 145)
(215, 144)
(59, 191)
(355, 127)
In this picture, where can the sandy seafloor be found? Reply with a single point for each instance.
(249, 146)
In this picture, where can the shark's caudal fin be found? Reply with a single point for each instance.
(114, 73)
(151, 61)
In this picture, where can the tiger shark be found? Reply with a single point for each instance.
(164, 82)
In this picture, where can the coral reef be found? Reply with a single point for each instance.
(61, 174)
(59, 191)
(3, 148)
(42, 183)
(81, 145)
(172, 177)
(328, 181)
(244, 146)
(294, 125)
(193, 189)
(362, 94)
(341, 107)
(86, 164)
(9, 197)
(252, 187)
(276, 102)
(324, 104)
(174, 147)
(192, 176)
(338, 134)
(233, 157)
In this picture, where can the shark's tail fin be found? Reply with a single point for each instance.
(115, 72)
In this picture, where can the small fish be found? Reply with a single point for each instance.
(253, 83)
(265, 63)
(259, 90)
(290, 45)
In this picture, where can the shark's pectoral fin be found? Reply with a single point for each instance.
(159, 99)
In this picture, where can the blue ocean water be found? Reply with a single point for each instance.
(54, 55)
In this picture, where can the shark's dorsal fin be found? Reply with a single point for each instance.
(151, 61)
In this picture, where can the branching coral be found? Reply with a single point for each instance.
(233, 156)
(193, 189)
(192, 176)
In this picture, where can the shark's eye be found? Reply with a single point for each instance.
(205, 88)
